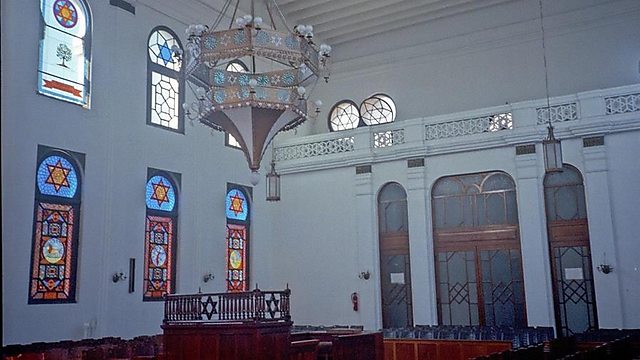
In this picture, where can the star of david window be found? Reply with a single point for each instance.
(237, 209)
(55, 230)
(64, 68)
(344, 115)
(161, 196)
(164, 82)
(376, 109)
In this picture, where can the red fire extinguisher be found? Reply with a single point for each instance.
(354, 301)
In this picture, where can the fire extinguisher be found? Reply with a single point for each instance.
(354, 301)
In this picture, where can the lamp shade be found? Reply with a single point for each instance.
(552, 151)
(273, 184)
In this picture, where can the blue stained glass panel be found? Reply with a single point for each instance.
(237, 207)
(160, 194)
(56, 176)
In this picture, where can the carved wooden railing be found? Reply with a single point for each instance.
(249, 306)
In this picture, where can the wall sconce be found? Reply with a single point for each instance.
(364, 275)
(208, 277)
(119, 276)
(605, 268)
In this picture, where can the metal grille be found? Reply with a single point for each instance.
(622, 104)
(559, 113)
(479, 125)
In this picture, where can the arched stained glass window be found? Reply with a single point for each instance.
(160, 234)
(237, 209)
(56, 223)
(378, 109)
(64, 70)
(165, 85)
(344, 115)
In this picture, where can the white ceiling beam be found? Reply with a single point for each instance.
(363, 28)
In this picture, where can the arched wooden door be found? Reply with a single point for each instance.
(477, 251)
(573, 293)
(395, 266)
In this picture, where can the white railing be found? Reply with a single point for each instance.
(595, 112)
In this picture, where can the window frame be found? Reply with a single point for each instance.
(333, 108)
(77, 160)
(87, 47)
(175, 179)
(152, 67)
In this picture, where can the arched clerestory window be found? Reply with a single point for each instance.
(64, 70)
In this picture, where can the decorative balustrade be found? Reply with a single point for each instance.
(332, 146)
(382, 139)
(559, 113)
(578, 115)
(250, 306)
(622, 104)
(478, 125)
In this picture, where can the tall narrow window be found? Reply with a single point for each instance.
(237, 239)
(64, 71)
(477, 250)
(56, 221)
(164, 83)
(161, 229)
(573, 293)
(395, 266)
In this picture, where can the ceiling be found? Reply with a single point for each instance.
(341, 21)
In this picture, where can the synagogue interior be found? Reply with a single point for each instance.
(320, 179)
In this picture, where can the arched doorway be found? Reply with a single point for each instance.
(570, 253)
(395, 266)
(477, 251)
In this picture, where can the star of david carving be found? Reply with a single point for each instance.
(160, 192)
(58, 175)
(236, 204)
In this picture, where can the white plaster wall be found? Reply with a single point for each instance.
(119, 147)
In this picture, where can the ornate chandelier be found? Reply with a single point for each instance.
(252, 79)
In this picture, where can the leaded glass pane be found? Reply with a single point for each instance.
(160, 194)
(378, 109)
(56, 176)
(344, 116)
(237, 207)
(161, 49)
(64, 67)
(158, 258)
(165, 100)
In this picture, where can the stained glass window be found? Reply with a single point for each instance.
(238, 220)
(55, 231)
(64, 70)
(164, 81)
(344, 115)
(160, 234)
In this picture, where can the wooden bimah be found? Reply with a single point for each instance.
(227, 326)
